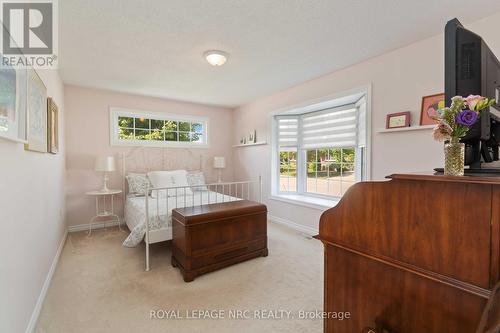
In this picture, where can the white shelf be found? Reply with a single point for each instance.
(251, 144)
(406, 129)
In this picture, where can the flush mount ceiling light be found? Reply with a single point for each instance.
(216, 57)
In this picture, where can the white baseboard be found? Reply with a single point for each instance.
(41, 298)
(299, 227)
(97, 225)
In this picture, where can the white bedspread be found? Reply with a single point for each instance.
(135, 212)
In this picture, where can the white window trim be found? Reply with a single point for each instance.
(115, 112)
(309, 106)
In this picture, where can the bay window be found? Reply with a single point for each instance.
(320, 153)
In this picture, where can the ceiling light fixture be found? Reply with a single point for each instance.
(216, 57)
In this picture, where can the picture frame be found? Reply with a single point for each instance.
(398, 120)
(52, 126)
(13, 112)
(430, 105)
(37, 114)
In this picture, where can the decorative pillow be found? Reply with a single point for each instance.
(137, 183)
(162, 179)
(197, 181)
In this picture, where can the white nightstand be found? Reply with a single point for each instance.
(101, 210)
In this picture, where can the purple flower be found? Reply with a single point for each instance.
(466, 117)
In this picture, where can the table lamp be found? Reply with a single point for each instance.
(219, 164)
(105, 164)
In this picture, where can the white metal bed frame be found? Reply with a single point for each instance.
(150, 159)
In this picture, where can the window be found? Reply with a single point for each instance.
(288, 127)
(330, 171)
(141, 128)
(321, 152)
(288, 170)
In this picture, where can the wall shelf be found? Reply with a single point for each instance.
(251, 144)
(406, 129)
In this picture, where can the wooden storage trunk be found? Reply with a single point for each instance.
(210, 237)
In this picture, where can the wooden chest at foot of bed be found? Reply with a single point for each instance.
(210, 237)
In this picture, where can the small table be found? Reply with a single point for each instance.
(103, 212)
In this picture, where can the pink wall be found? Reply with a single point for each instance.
(87, 136)
(32, 220)
(398, 79)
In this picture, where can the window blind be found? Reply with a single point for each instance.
(288, 131)
(330, 128)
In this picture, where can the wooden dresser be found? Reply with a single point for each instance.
(417, 253)
(210, 237)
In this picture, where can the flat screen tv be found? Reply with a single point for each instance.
(472, 68)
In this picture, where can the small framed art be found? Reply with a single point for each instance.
(430, 106)
(398, 120)
(13, 104)
(37, 113)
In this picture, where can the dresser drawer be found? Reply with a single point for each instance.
(227, 253)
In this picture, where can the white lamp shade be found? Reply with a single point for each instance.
(219, 162)
(105, 163)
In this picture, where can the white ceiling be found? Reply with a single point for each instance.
(155, 47)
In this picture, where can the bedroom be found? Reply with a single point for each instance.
(134, 91)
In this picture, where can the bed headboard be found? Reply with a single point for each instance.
(145, 159)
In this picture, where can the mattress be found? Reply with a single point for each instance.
(160, 216)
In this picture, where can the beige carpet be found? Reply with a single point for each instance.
(101, 286)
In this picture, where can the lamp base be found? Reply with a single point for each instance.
(104, 187)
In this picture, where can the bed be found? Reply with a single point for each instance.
(160, 223)
(156, 207)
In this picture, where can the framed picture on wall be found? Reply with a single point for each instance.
(398, 120)
(52, 126)
(13, 104)
(37, 113)
(430, 106)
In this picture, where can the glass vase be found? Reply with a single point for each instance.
(454, 152)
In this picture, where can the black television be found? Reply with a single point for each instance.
(472, 68)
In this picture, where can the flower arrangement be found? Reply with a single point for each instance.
(455, 121)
